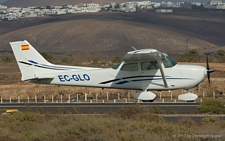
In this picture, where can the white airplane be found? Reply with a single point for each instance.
(145, 69)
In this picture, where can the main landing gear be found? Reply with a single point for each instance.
(145, 96)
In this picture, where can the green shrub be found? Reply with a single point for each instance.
(67, 60)
(95, 60)
(148, 117)
(190, 56)
(62, 110)
(219, 56)
(157, 110)
(210, 119)
(212, 106)
(27, 116)
(138, 113)
(188, 122)
(7, 59)
(128, 112)
(47, 56)
(117, 59)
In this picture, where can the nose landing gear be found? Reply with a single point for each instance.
(188, 97)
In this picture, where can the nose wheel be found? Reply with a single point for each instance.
(188, 97)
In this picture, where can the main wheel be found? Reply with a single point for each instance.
(147, 100)
(190, 101)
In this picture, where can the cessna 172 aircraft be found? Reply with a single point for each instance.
(145, 69)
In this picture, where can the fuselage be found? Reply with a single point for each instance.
(177, 77)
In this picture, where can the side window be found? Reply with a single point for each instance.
(130, 67)
(149, 65)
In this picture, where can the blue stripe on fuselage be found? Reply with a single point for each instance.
(149, 79)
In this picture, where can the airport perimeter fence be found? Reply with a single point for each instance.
(98, 99)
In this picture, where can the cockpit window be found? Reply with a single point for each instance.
(130, 67)
(116, 66)
(150, 65)
(168, 62)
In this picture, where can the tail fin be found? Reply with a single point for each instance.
(27, 57)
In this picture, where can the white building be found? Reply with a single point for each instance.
(60, 12)
(156, 4)
(2, 7)
(164, 10)
(57, 7)
(25, 10)
(67, 6)
(196, 3)
(143, 3)
(171, 4)
(2, 16)
(17, 12)
(14, 9)
(93, 7)
(112, 4)
(215, 4)
(122, 4)
(129, 7)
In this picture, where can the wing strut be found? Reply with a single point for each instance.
(161, 70)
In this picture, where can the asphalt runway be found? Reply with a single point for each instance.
(103, 108)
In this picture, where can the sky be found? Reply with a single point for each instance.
(202, 1)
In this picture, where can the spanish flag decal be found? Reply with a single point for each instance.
(25, 47)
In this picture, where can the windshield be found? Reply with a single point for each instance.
(116, 66)
(168, 62)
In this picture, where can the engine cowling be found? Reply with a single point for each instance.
(145, 96)
(189, 97)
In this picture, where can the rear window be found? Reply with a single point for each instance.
(130, 67)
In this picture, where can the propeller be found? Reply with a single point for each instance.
(209, 70)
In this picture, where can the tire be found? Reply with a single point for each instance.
(147, 100)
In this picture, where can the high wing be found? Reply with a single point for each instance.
(143, 55)
(147, 55)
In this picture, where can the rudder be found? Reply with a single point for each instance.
(26, 57)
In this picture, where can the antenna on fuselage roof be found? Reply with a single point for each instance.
(134, 48)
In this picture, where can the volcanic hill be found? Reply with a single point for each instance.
(116, 32)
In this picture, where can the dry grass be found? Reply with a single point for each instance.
(139, 125)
